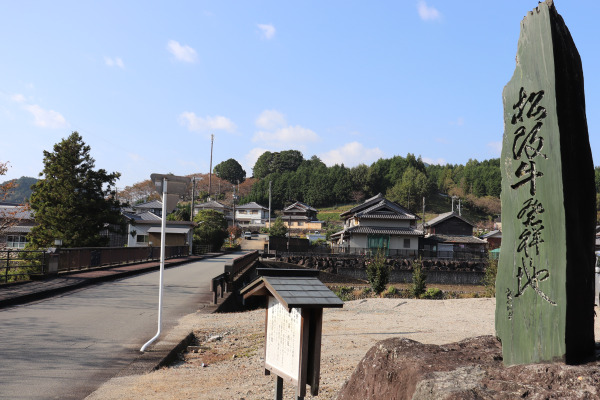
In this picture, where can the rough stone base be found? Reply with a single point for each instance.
(396, 369)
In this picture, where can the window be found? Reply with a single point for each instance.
(141, 239)
(407, 243)
(300, 223)
(16, 241)
(254, 211)
(242, 211)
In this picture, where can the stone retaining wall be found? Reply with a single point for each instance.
(438, 271)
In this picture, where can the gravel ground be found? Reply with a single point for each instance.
(234, 364)
(231, 348)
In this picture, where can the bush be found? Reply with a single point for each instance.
(378, 273)
(433, 294)
(344, 293)
(489, 279)
(367, 291)
(418, 279)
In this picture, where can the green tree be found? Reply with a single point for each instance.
(378, 272)
(182, 213)
(278, 228)
(268, 163)
(231, 171)
(418, 279)
(211, 228)
(72, 201)
(411, 189)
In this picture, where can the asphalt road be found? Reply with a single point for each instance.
(65, 347)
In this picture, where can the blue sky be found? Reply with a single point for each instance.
(147, 83)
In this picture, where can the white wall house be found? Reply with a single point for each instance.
(378, 223)
(251, 214)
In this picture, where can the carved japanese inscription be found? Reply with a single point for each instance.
(544, 292)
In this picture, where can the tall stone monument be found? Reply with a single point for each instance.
(544, 287)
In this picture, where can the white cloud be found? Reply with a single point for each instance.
(270, 119)
(18, 98)
(135, 157)
(182, 53)
(460, 121)
(431, 161)
(116, 62)
(200, 124)
(288, 136)
(428, 13)
(495, 147)
(351, 154)
(267, 30)
(46, 118)
(251, 157)
(277, 133)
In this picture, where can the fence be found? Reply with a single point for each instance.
(19, 265)
(91, 257)
(425, 254)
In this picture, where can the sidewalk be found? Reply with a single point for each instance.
(28, 291)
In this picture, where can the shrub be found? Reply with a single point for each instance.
(433, 293)
(378, 273)
(489, 279)
(391, 291)
(418, 279)
(367, 291)
(344, 293)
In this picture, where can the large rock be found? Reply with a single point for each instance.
(397, 369)
(544, 287)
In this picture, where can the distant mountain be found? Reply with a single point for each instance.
(22, 190)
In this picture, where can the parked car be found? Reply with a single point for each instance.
(247, 235)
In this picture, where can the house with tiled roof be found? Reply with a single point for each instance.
(449, 235)
(216, 206)
(376, 224)
(143, 229)
(301, 217)
(16, 221)
(251, 214)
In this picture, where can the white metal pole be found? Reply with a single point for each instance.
(163, 226)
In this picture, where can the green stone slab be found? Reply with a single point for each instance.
(544, 287)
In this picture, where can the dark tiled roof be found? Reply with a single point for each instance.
(455, 239)
(495, 234)
(443, 217)
(252, 206)
(381, 208)
(15, 212)
(151, 204)
(300, 205)
(145, 216)
(213, 205)
(19, 229)
(294, 291)
(375, 230)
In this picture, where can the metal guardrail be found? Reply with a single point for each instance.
(19, 265)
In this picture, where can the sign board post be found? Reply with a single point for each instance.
(294, 320)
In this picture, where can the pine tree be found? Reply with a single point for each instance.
(73, 201)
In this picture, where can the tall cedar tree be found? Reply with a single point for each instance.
(72, 201)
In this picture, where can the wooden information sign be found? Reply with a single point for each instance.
(294, 319)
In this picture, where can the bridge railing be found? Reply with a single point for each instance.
(91, 257)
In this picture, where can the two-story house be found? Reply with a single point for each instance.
(144, 227)
(378, 224)
(16, 222)
(301, 216)
(450, 235)
(251, 214)
(216, 206)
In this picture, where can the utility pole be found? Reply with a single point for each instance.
(192, 206)
(212, 139)
(269, 242)
(423, 214)
(459, 212)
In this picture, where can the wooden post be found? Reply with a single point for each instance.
(279, 388)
